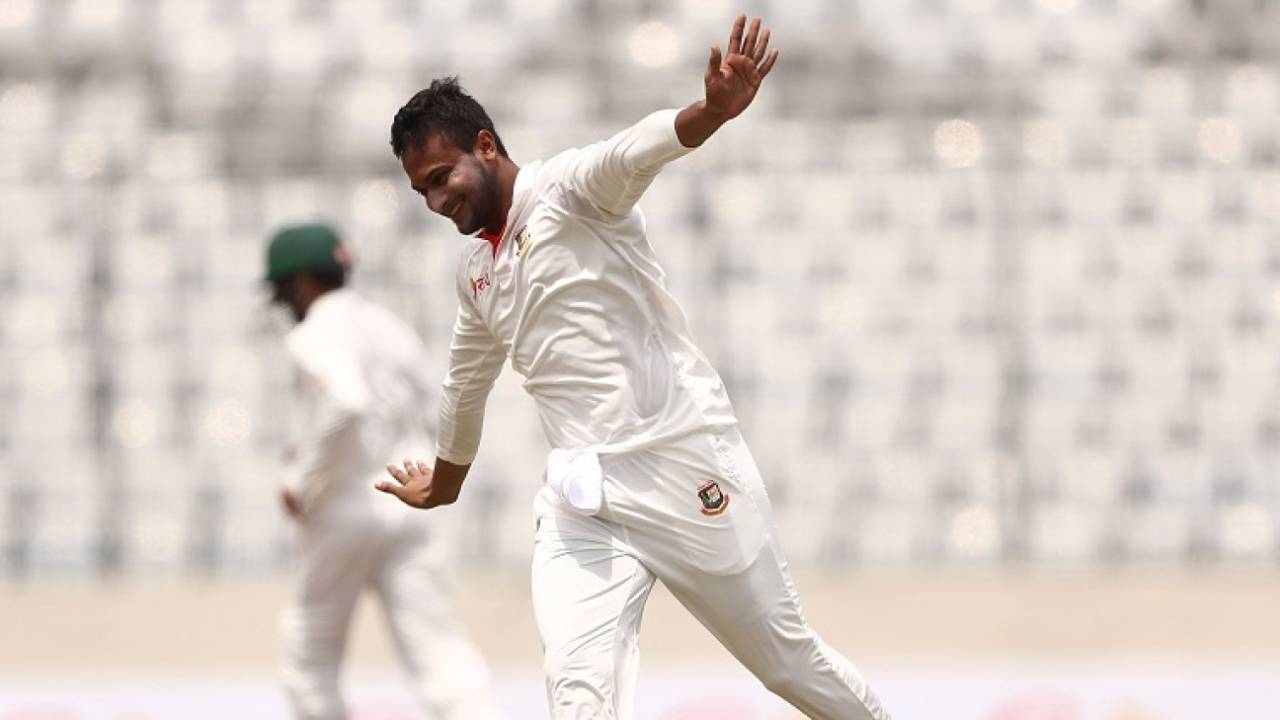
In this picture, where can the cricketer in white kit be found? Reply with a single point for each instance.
(649, 478)
(360, 388)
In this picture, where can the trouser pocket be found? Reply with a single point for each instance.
(687, 503)
(575, 476)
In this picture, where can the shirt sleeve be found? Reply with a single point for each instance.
(329, 429)
(614, 173)
(475, 360)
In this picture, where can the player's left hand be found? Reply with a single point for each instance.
(412, 485)
(733, 79)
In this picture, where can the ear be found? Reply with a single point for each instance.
(342, 255)
(486, 145)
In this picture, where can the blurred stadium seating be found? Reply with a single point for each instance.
(991, 282)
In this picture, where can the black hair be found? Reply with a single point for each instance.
(331, 278)
(445, 108)
(327, 278)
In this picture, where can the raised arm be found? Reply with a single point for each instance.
(731, 81)
(614, 173)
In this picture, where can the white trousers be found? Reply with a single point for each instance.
(717, 553)
(339, 559)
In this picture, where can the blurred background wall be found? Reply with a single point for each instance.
(994, 284)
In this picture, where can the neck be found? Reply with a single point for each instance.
(307, 296)
(507, 172)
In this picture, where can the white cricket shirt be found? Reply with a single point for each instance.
(572, 293)
(362, 388)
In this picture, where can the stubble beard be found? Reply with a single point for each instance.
(485, 202)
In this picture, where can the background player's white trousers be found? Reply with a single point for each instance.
(340, 559)
(592, 575)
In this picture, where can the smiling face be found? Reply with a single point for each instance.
(460, 185)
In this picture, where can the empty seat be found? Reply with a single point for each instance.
(1159, 531)
(1067, 532)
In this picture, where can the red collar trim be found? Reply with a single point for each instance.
(494, 239)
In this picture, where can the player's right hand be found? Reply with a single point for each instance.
(413, 485)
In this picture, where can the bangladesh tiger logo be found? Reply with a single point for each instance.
(713, 500)
(522, 242)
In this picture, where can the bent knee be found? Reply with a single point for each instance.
(782, 683)
(789, 668)
(593, 670)
(310, 639)
(580, 685)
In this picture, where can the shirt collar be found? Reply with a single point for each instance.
(494, 239)
(524, 183)
(327, 302)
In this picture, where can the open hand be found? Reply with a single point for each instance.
(412, 485)
(732, 80)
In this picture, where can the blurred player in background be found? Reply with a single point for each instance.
(648, 477)
(362, 394)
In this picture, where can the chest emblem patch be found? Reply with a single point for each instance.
(713, 500)
(522, 242)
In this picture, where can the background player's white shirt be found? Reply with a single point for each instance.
(362, 390)
(573, 294)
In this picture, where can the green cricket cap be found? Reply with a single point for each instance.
(302, 248)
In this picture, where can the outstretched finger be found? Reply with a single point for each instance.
(410, 467)
(389, 488)
(753, 32)
(423, 468)
(735, 35)
(713, 64)
(761, 47)
(768, 64)
(401, 476)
